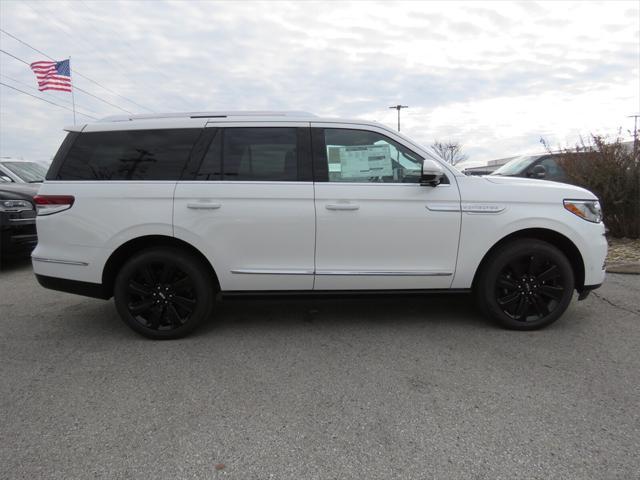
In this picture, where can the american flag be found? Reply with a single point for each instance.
(53, 75)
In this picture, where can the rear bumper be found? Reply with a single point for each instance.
(86, 289)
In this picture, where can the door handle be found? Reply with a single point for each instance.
(342, 206)
(203, 206)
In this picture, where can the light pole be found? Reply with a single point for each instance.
(635, 133)
(398, 108)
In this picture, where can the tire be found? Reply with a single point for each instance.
(164, 293)
(525, 285)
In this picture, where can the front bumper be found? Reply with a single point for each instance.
(17, 232)
(586, 290)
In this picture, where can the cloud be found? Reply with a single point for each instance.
(495, 76)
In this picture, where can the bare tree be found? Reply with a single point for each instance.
(449, 151)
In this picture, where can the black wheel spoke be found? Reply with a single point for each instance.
(154, 316)
(149, 277)
(184, 302)
(521, 309)
(540, 305)
(510, 299)
(142, 306)
(551, 291)
(505, 282)
(550, 273)
(173, 316)
(137, 288)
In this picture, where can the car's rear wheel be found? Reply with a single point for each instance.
(525, 285)
(164, 293)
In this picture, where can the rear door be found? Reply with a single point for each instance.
(247, 204)
(377, 228)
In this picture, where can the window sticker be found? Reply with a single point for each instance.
(362, 161)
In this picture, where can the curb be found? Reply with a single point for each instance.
(630, 268)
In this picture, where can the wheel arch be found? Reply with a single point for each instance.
(552, 237)
(135, 245)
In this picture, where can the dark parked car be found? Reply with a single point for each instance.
(534, 166)
(21, 171)
(17, 219)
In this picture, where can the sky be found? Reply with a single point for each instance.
(495, 77)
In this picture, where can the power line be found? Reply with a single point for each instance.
(49, 22)
(76, 73)
(74, 86)
(45, 100)
(148, 66)
(33, 88)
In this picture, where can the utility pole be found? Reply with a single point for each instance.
(398, 108)
(635, 134)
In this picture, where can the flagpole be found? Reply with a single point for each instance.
(73, 98)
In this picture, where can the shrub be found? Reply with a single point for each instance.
(611, 170)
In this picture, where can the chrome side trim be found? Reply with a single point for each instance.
(444, 207)
(269, 271)
(387, 273)
(63, 262)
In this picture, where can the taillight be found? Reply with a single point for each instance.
(48, 204)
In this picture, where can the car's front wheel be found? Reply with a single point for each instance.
(163, 293)
(525, 285)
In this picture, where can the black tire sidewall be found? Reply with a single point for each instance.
(202, 281)
(498, 260)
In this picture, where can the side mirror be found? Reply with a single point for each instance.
(431, 174)
(5, 179)
(538, 171)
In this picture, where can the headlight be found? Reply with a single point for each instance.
(587, 209)
(15, 205)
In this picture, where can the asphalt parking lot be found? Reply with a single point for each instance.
(319, 389)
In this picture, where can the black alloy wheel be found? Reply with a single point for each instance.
(525, 285)
(529, 287)
(163, 293)
(161, 296)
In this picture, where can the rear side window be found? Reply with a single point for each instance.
(129, 155)
(252, 154)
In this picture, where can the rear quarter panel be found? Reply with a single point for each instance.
(104, 216)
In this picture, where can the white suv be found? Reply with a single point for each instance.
(163, 212)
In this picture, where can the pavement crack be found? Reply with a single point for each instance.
(613, 304)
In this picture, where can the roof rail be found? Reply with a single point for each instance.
(220, 114)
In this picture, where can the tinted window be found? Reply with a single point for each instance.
(554, 170)
(211, 166)
(259, 154)
(516, 166)
(129, 155)
(364, 156)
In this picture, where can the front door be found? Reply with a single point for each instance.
(377, 228)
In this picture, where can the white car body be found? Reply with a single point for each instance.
(310, 236)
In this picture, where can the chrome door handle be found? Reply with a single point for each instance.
(342, 206)
(203, 206)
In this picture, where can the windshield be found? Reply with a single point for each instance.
(29, 172)
(516, 166)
